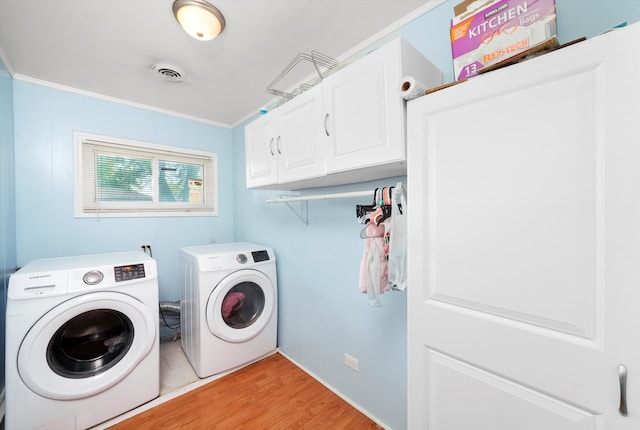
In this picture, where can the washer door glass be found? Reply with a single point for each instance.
(90, 343)
(241, 305)
(86, 345)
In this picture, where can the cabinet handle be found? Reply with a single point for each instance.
(622, 376)
(271, 147)
(278, 145)
(326, 120)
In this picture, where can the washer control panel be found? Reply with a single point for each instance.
(126, 273)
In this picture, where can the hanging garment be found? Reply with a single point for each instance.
(374, 268)
(398, 240)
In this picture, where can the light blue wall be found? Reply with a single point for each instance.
(45, 119)
(322, 314)
(588, 18)
(7, 202)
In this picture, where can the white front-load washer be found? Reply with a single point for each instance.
(229, 305)
(82, 342)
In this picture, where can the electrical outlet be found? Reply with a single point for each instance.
(351, 362)
(144, 245)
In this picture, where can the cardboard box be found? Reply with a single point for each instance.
(484, 32)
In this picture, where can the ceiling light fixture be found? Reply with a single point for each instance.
(198, 18)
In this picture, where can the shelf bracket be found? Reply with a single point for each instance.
(302, 213)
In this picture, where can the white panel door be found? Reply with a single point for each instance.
(524, 252)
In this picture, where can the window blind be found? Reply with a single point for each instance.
(122, 178)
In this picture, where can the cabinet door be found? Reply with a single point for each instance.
(260, 151)
(365, 119)
(523, 300)
(299, 138)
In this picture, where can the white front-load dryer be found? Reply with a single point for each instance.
(82, 342)
(229, 305)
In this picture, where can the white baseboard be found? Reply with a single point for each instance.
(336, 392)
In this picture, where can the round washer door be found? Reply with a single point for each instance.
(241, 305)
(86, 345)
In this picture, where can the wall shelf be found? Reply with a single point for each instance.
(303, 212)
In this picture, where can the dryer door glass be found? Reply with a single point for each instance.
(243, 305)
(90, 343)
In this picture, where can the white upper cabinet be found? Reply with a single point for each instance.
(366, 114)
(350, 128)
(259, 141)
(285, 145)
(299, 142)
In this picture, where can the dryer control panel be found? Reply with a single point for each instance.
(126, 273)
(259, 256)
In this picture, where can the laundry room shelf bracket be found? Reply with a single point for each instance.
(302, 212)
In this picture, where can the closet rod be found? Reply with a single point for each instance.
(320, 197)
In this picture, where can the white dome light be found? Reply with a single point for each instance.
(198, 18)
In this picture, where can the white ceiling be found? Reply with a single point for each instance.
(107, 47)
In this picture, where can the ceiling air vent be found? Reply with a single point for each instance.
(168, 72)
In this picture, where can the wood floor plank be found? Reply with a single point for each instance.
(270, 394)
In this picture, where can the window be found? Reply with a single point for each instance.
(116, 177)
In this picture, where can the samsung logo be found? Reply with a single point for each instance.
(39, 276)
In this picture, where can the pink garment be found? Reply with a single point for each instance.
(232, 302)
(374, 269)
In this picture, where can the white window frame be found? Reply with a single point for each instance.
(86, 206)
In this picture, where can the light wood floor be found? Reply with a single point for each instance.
(270, 394)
